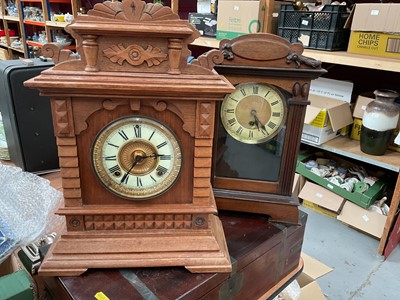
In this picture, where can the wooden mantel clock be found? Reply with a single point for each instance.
(134, 124)
(259, 125)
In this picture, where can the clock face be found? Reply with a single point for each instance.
(254, 113)
(136, 157)
(251, 132)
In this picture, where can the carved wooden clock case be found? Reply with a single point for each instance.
(259, 125)
(134, 124)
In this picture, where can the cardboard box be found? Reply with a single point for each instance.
(206, 24)
(237, 18)
(315, 207)
(298, 183)
(365, 220)
(364, 200)
(356, 129)
(358, 114)
(321, 200)
(324, 120)
(329, 110)
(313, 269)
(361, 104)
(4, 55)
(375, 30)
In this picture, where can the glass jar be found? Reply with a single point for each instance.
(380, 119)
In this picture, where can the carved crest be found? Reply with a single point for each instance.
(133, 11)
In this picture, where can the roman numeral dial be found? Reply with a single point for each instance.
(254, 113)
(136, 157)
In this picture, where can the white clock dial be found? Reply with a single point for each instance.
(136, 157)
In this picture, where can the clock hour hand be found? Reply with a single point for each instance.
(257, 121)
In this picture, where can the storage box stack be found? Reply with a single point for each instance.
(239, 17)
(375, 30)
(321, 29)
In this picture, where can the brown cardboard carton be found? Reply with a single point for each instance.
(365, 220)
(322, 197)
(358, 114)
(298, 183)
(325, 117)
(375, 30)
(313, 269)
(360, 106)
(239, 17)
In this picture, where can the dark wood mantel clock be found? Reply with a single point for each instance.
(134, 125)
(259, 125)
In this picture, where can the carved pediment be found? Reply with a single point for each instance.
(132, 49)
(130, 36)
(133, 11)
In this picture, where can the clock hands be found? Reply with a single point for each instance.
(257, 121)
(137, 160)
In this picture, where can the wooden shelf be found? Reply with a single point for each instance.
(355, 60)
(56, 24)
(11, 18)
(17, 49)
(206, 42)
(351, 148)
(334, 57)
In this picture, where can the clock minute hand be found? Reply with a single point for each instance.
(156, 155)
(137, 159)
(257, 121)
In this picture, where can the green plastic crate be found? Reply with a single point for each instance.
(365, 200)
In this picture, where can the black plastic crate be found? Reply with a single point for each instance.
(317, 30)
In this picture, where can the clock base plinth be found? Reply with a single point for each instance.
(198, 250)
(279, 208)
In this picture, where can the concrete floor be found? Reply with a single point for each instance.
(358, 271)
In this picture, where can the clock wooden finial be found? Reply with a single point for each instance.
(134, 125)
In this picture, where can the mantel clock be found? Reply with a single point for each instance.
(259, 125)
(134, 124)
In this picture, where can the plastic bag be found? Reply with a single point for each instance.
(27, 207)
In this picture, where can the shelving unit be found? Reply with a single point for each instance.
(26, 27)
(346, 147)
(350, 148)
(11, 22)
